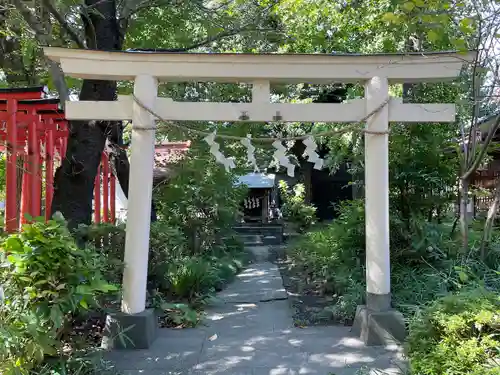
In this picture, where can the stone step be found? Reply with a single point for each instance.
(270, 234)
(291, 236)
(259, 229)
(251, 239)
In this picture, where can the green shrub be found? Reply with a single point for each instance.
(294, 207)
(47, 281)
(166, 245)
(191, 278)
(458, 334)
(109, 241)
(323, 253)
(425, 263)
(226, 269)
(174, 273)
(230, 244)
(201, 200)
(178, 315)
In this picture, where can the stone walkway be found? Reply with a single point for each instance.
(249, 331)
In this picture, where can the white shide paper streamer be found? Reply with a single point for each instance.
(228, 163)
(250, 152)
(282, 159)
(310, 152)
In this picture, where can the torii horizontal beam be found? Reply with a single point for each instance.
(258, 112)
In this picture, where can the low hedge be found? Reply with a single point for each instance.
(456, 335)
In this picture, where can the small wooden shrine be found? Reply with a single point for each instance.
(256, 207)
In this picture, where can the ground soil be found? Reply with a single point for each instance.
(309, 303)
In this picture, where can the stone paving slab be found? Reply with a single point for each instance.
(260, 282)
(229, 319)
(241, 335)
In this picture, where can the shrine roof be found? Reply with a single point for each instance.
(24, 89)
(170, 152)
(485, 122)
(33, 101)
(257, 180)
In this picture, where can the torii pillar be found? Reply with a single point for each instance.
(377, 322)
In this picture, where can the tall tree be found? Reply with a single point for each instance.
(104, 25)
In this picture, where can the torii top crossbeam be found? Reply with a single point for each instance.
(240, 67)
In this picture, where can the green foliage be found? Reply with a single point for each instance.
(437, 22)
(76, 365)
(195, 278)
(457, 334)
(47, 280)
(201, 200)
(180, 282)
(109, 241)
(294, 207)
(166, 245)
(179, 315)
(332, 255)
(191, 250)
(425, 262)
(175, 273)
(191, 278)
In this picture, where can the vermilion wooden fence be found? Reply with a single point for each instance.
(35, 130)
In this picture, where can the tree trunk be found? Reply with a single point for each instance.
(488, 225)
(464, 220)
(74, 180)
(307, 170)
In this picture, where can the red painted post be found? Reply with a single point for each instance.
(97, 196)
(25, 192)
(37, 183)
(49, 169)
(64, 147)
(112, 198)
(33, 168)
(105, 187)
(58, 150)
(11, 168)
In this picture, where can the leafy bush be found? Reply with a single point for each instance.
(191, 278)
(457, 335)
(294, 207)
(47, 281)
(166, 245)
(201, 200)
(194, 278)
(109, 241)
(226, 268)
(425, 263)
(174, 274)
(178, 315)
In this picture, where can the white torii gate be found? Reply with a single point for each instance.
(376, 321)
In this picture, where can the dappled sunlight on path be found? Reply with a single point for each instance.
(249, 330)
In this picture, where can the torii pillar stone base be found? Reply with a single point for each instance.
(130, 331)
(379, 327)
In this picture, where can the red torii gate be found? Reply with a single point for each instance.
(35, 129)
